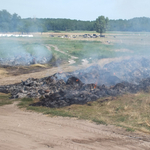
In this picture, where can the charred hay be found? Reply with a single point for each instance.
(82, 86)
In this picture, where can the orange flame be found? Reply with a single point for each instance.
(95, 85)
(77, 80)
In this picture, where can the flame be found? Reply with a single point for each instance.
(61, 72)
(77, 80)
(95, 85)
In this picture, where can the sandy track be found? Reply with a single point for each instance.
(22, 130)
(58, 50)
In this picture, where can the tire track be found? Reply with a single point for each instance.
(58, 50)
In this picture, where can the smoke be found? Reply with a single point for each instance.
(13, 53)
(41, 54)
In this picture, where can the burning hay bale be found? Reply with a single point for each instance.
(82, 86)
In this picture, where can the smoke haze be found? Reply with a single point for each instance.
(14, 53)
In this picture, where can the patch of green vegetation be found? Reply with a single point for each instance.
(5, 100)
(50, 111)
(130, 129)
(121, 118)
(25, 102)
(90, 50)
(59, 55)
(99, 121)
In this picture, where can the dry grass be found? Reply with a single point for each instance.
(3, 73)
(131, 111)
(39, 65)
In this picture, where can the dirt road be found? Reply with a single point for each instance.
(24, 130)
(58, 50)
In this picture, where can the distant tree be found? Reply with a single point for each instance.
(5, 20)
(101, 24)
(5, 16)
(14, 22)
(4, 27)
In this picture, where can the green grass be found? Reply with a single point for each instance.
(99, 121)
(59, 55)
(90, 50)
(4, 99)
(25, 102)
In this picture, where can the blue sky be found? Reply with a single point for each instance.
(78, 9)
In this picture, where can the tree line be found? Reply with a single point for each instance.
(14, 23)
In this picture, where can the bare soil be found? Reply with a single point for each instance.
(22, 130)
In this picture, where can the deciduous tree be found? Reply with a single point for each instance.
(101, 24)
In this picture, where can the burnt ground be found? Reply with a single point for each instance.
(15, 71)
(19, 70)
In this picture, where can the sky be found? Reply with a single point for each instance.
(78, 9)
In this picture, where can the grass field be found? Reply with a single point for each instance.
(115, 44)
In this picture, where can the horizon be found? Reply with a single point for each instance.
(70, 18)
(84, 10)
